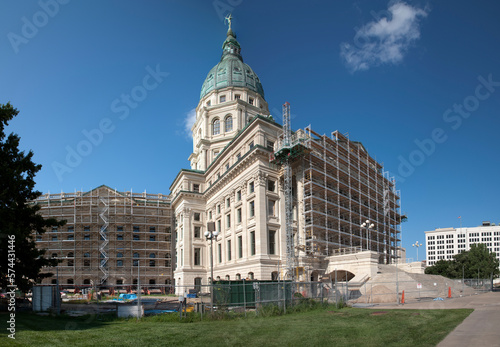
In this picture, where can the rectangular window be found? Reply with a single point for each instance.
(86, 237)
(238, 215)
(252, 243)
(238, 195)
(209, 215)
(86, 228)
(272, 241)
(197, 232)
(251, 145)
(197, 256)
(271, 185)
(71, 229)
(228, 202)
(270, 145)
(136, 229)
(119, 237)
(238, 156)
(219, 249)
(240, 247)
(237, 96)
(152, 229)
(228, 221)
(71, 237)
(222, 98)
(218, 209)
(197, 216)
(228, 250)
(251, 188)
(54, 238)
(136, 238)
(251, 209)
(250, 101)
(218, 226)
(152, 238)
(119, 229)
(54, 229)
(196, 188)
(271, 207)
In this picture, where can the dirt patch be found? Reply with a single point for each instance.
(378, 313)
(378, 294)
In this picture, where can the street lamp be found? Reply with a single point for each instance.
(368, 226)
(211, 234)
(417, 244)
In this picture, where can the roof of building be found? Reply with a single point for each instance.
(231, 71)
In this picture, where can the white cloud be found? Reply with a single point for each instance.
(189, 122)
(386, 40)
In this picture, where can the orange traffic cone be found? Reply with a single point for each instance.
(449, 292)
(403, 298)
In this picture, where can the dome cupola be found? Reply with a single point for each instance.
(231, 71)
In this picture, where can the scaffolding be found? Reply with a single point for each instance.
(343, 188)
(107, 233)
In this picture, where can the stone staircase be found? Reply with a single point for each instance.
(388, 281)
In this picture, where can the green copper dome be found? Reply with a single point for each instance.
(231, 70)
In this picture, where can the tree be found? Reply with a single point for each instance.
(441, 267)
(478, 261)
(22, 260)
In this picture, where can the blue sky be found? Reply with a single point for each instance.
(417, 82)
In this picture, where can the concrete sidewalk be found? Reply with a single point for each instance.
(481, 328)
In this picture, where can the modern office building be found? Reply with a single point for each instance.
(444, 243)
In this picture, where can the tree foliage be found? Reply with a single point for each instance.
(18, 216)
(477, 262)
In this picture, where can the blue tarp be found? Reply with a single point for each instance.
(127, 297)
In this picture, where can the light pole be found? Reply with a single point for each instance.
(368, 226)
(211, 234)
(417, 244)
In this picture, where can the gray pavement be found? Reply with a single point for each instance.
(481, 328)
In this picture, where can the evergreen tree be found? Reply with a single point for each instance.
(19, 221)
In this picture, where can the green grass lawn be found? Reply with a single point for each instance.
(318, 327)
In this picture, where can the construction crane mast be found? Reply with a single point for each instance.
(289, 148)
(290, 251)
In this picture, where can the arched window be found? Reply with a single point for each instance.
(119, 255)
(136, 255)
(238, 276)
(250, 275)
(228, 122)
(70, 255)
(152, 255)
(216, 127)
(168, 262)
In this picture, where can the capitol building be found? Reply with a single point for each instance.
(226, 214)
